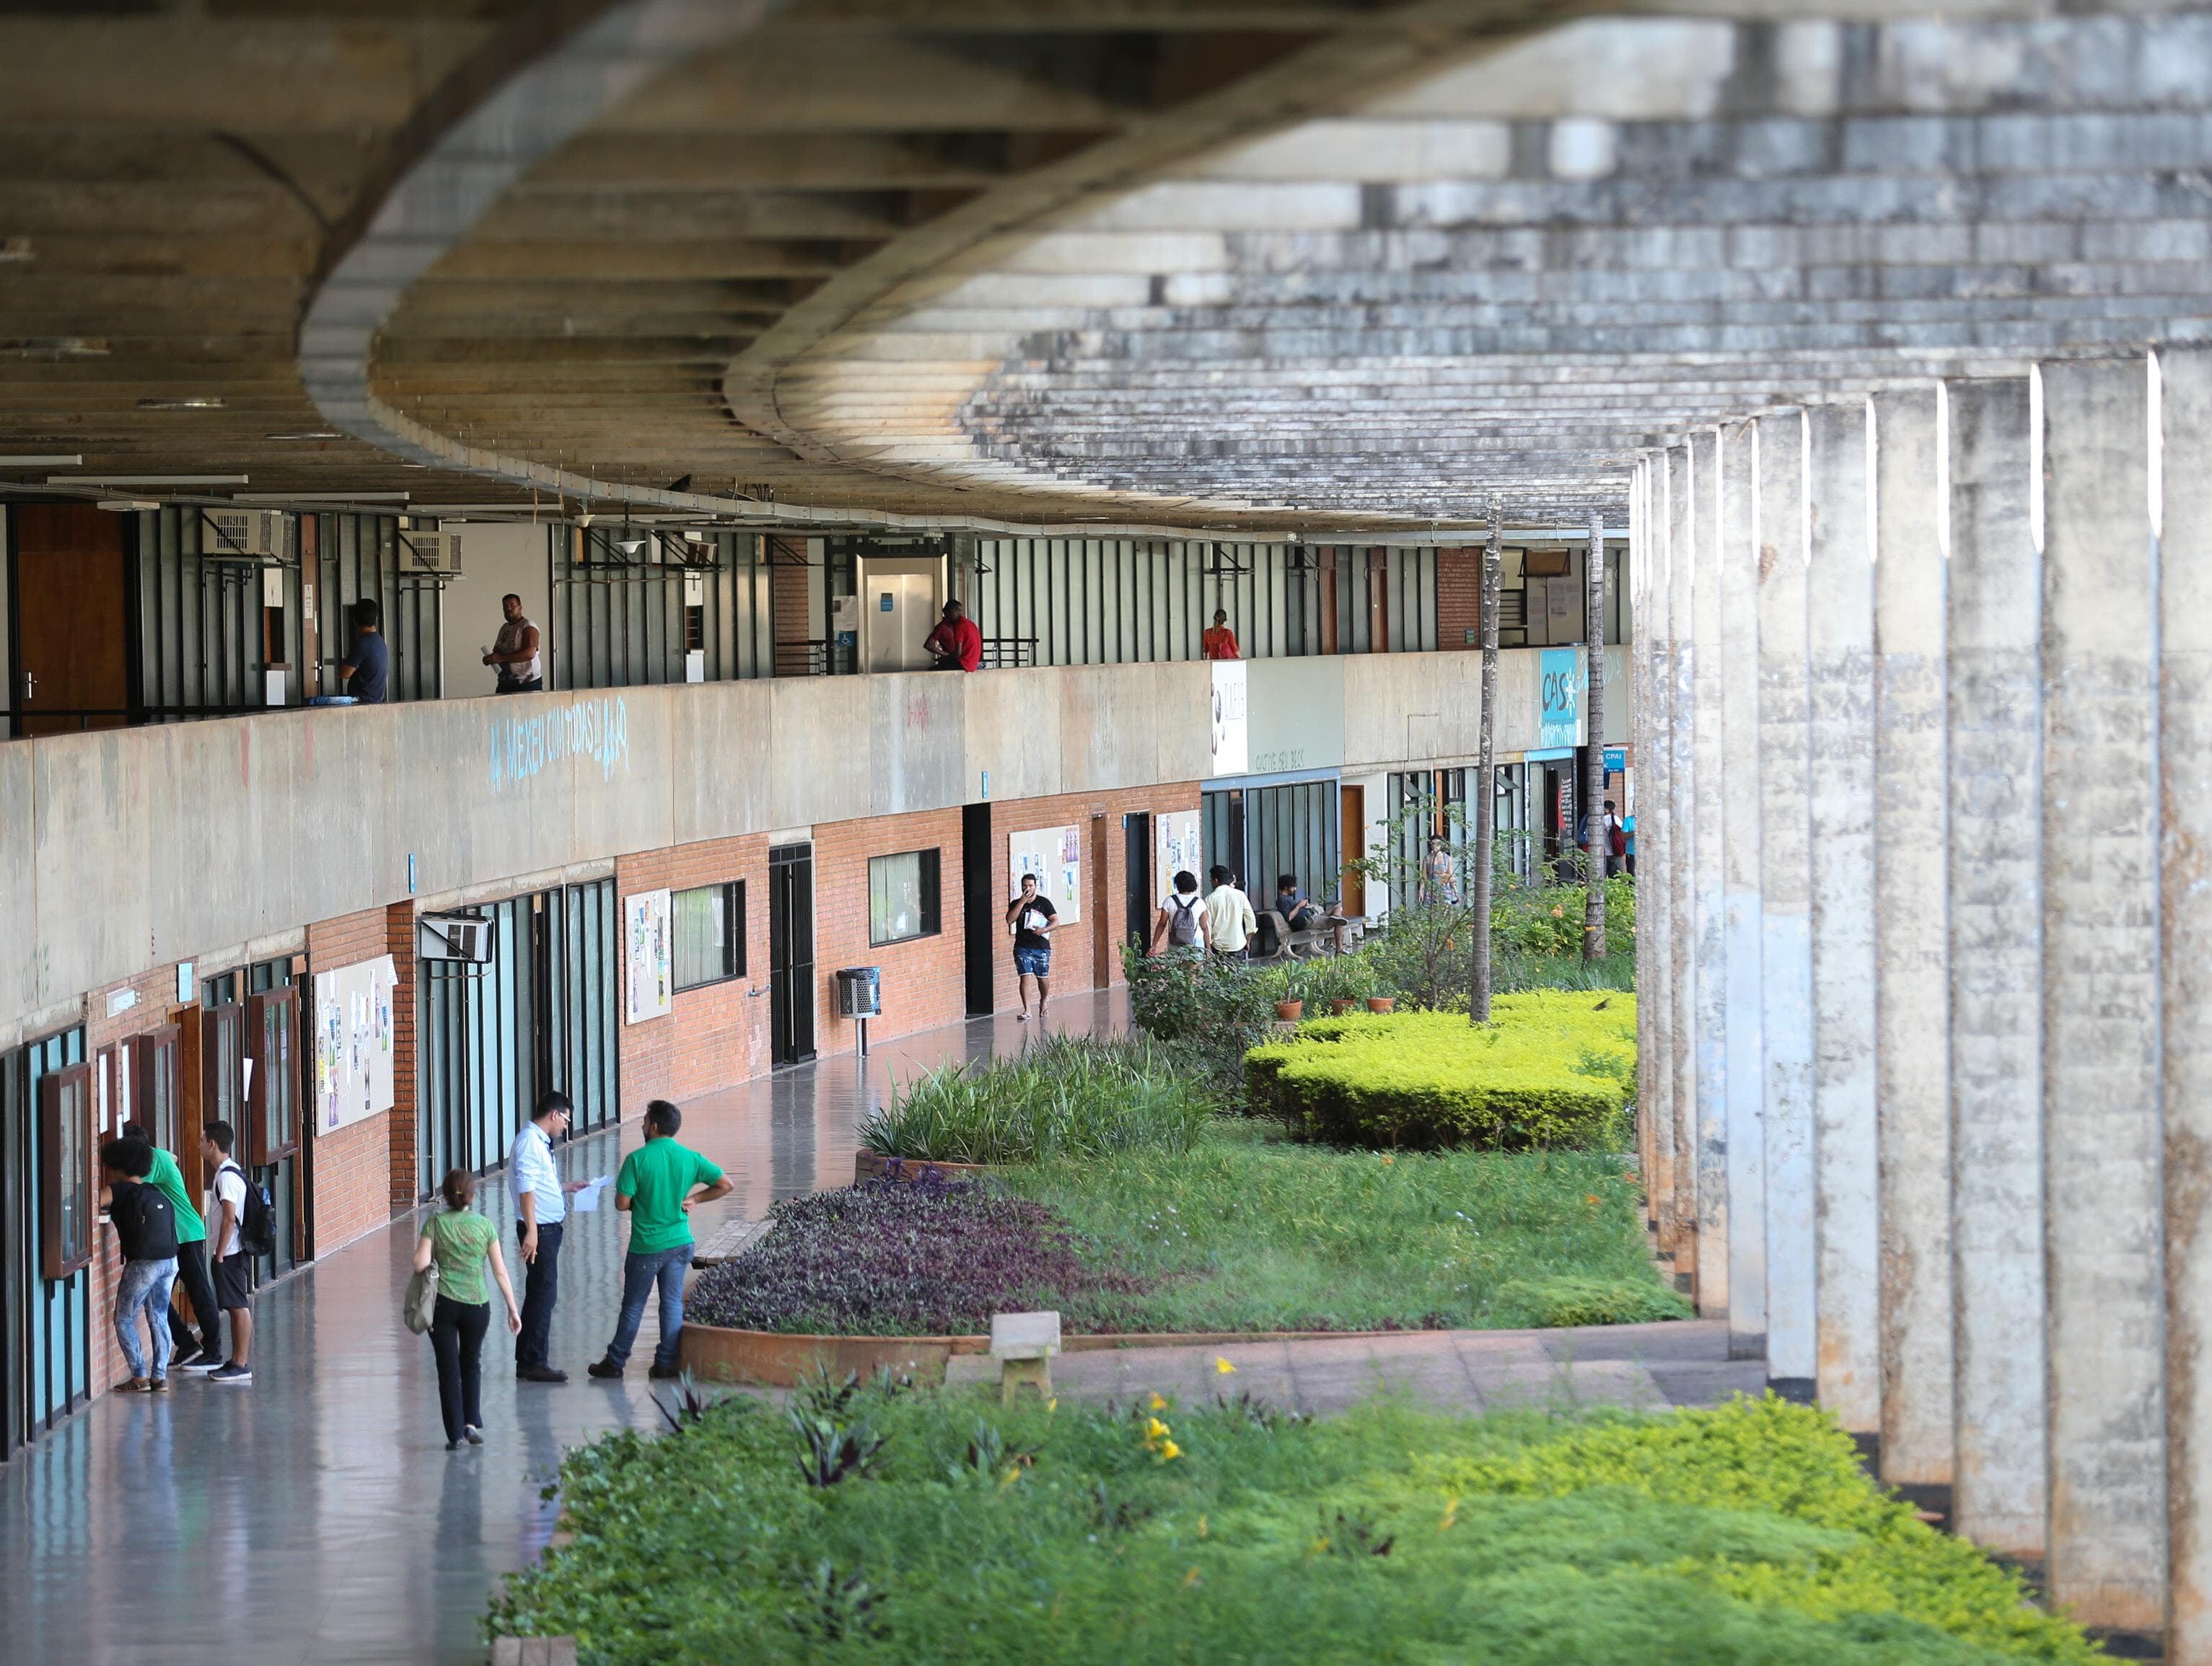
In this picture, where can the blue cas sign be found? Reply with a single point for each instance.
(1559, 716)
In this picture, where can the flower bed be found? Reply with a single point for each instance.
(1551, 1069)
(935, 1526)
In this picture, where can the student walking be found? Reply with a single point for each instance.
(1229, 922)
(461, 1241)
(541, 1209)
(1180, 920)
(230, 1263)
(187, 1350)
(1031, 915)
(146, 1227)
(655, 1189)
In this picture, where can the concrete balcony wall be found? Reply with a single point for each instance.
(125, 849)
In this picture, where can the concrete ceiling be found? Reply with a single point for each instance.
(1311, 263)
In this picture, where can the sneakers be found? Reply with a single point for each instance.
(539, 1374)
(159, 1385)
(138, 1385)
(472, 1434)
(230, 1374)
(183, 1358)
(603, 1369)
(209, 1363)
(666, 1373)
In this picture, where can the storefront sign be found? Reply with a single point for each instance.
(1559, 715)
(1616, 760)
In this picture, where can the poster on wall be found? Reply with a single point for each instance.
(353, 1042)
(1232, 742)
(1054, 855)
(1559, 710)
(649, 980)
(1177, 848)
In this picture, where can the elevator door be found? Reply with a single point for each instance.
(790, 953)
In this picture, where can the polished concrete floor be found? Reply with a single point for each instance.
(316, 1516)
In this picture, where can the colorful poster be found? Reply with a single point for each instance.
(649, 977)
(354, 1041)
(1559, 715)
(1177, 848)
(1054, 855)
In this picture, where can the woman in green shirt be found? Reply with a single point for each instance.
(460, 1241)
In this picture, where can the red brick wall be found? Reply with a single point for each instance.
(716, 1035)
(925, 979)
(399, 1122)
(1459, 598)
(1075, 948)
(353, 1166)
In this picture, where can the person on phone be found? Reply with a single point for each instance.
(1031, 914)
(461, 1241)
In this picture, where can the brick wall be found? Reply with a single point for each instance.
(717, 1034)
(157, 991)
(399, 1122)
(352, 1178)
(925, 979)
(1459, 598)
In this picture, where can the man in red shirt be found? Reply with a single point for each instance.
(955, 644)
(1219, 641)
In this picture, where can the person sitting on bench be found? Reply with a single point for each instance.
(1300, 912)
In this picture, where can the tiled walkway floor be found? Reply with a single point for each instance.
(317, 1516)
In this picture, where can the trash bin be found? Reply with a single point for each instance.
(860, 992)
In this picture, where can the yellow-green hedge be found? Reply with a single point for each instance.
(1554, 1067)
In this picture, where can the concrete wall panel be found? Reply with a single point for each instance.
(917, 740)
(720, 759)
(1995, 885)
(24, 977)
(2102, 1070)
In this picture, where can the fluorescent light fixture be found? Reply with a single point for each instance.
(58, 460)
(308, 434)
(182, 401)
(317, 497)
(146, 480)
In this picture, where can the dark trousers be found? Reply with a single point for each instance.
(541, 1288)
(192, 1274)
(456, 1334)
(531, 687)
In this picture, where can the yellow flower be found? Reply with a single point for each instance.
(1190, 1579)
(1201, 1527)
(1170, 1451)
(1158, 1404)
(1222, 1366)
(1452, 1515)
(1155, 1430)
(1052, 1405)
(1388, 1158)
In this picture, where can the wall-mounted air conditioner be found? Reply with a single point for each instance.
(453, 937)
(438, 552)
(254, 535)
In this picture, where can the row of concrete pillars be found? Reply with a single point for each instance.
(1924, 742)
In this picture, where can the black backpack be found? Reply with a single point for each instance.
(145, 1224)
(257, 1224)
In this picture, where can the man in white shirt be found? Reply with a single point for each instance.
(1229, 922)
(541, 1208)
(229, 1265)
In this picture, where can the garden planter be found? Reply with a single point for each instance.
(1290, 1012)
(1382, 1003)
(1339, 1007)
(874, 1166)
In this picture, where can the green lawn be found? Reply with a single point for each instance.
(1248, 1231)
(1745, 1536)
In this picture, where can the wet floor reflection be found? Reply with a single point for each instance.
(316, 1516)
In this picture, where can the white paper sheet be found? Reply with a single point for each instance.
(587, 1200)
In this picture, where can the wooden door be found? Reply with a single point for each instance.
(154, 1090)
(1353, 901)
(1100, 905)
(71, 624)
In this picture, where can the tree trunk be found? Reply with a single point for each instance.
(1485, 784)
(1594, 819)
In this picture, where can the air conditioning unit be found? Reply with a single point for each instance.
(256, 535)
(453, 937)
(436, 552)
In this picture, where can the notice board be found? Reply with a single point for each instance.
(353, 1042)
(649, 975)
(1054, 855)
(1177, 848)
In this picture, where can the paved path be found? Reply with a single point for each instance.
(1642, 1367)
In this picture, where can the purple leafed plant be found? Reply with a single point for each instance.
(925, 1258)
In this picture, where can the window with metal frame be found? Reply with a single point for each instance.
(70, 1189)
(903, 896)
(710, 934)
(272, 1020)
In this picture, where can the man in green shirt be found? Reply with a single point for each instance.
(655, 1189)
(168, 1179)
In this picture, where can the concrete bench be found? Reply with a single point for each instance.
(1024, 1344)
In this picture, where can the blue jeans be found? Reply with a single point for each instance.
(667, 1268)
(145, 1285)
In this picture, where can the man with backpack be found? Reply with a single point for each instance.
(186, 1349)
(1180, 920)
(238, 1226)
(145, 1225)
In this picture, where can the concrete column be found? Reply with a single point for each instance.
(2185, 791)
(1654, 716)
(1995, 884)
(1707, 635)
(1741, 812)
(1682, 861)
(1785, 919)
(1911, 993)
(1840, 809)
(2102, 1066)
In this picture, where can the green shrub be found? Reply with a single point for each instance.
(1747, 1535)
(1062, 1096)
(1551, 1069)
(1560, 1302)
(1541, 921)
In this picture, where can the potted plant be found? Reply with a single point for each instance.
(1382, 1003)
(1342, 980)
(1290, 1006)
